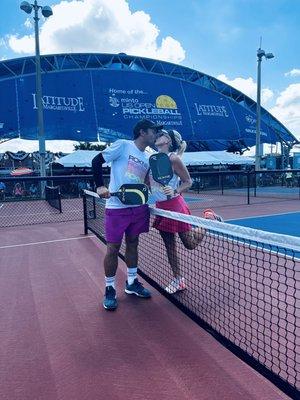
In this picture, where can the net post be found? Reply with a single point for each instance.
(222, 183)
(94, 207)
(248, 187)
(59, 200)
(85, 214)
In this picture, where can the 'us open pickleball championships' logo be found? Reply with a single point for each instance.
(164, 101)
(164, 109)
(113, 101)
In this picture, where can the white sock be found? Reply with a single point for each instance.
(110, 281)
(131, 275)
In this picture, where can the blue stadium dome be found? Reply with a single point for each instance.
(89, 97)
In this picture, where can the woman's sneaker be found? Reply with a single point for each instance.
(210, 214)
(110, 300)
(176, 285)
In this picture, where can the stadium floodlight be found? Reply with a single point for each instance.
(46, 12)
(269, 55)
(260, 54)
(25, 6)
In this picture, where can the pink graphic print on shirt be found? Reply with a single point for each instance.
(136, 169)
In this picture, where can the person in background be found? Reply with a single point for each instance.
(171, 143)
(18, 190)
(33, 190)
(289, 177)
(2, 190)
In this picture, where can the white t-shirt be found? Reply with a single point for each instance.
(128, 165)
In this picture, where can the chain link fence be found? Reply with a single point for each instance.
(23, 200)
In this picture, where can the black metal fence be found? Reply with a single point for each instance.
(244, 187)
(22, 199)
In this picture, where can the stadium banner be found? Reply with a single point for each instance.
(86, 105)
(8, 110)
(67, 103)
(125, 97)
(197, 113)
(215, 117)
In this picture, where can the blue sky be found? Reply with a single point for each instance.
(221, 37)
(217, 37)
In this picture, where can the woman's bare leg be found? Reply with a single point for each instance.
(192, 238)
(170, 244)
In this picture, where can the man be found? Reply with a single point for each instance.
(2, 190)
(289, 177)
(129, 164)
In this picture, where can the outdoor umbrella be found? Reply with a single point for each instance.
(21, 171)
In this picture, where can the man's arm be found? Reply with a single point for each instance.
(97, 169)
(98, 175)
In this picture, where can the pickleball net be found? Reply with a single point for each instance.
(242, 285)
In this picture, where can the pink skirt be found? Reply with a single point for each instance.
(176, 204)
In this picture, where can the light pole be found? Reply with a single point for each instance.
(260, 54)
(46, 12)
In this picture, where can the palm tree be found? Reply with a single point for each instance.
(89, 146)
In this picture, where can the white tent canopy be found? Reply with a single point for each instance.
(83, 158)
(79, 158)
(215, 158)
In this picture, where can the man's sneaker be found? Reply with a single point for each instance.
(110, 299)
(176, 285)
(138, 289)
(210, 214)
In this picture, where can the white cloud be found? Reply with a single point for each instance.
(287, 108)
(248, 87)
(99, 26)
(28, 23)
(294, 72)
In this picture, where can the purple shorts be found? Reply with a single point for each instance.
(130, 220)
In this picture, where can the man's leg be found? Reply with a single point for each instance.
(131, 253)
(110, 269)
(133, 286)
(111, 259)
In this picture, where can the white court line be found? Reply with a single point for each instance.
(47, 241)
(37, 214)
(263, 216)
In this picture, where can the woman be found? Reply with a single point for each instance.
(171, 143)
(18, 190)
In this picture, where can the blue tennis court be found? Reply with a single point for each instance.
(287, 223)
(283, 190)
(197, 199)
